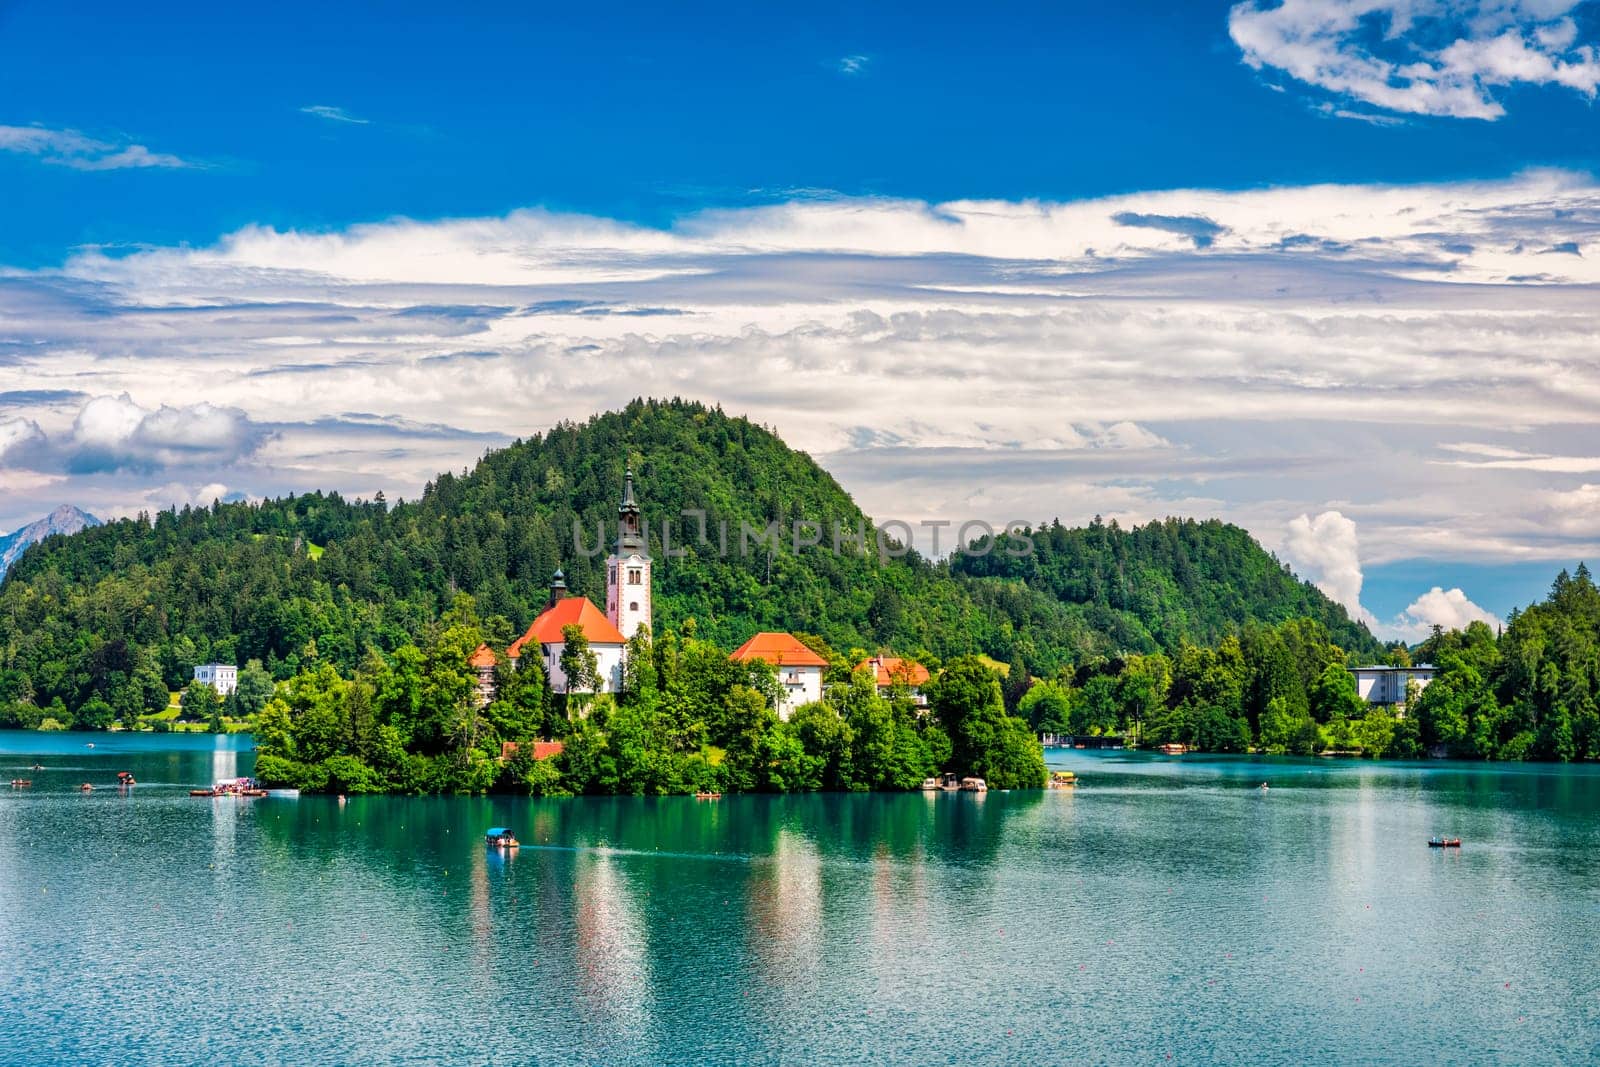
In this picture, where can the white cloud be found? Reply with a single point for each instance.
(1325, 552)
(69, 148)
(1575, 512)
(853, 65)
(333, 114)
(971, 359)
(17, 434)
(1437, 607)
(1420, 57)
(112, 433)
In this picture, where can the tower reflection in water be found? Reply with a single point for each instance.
(612, 944)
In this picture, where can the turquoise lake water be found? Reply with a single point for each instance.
(1166, 911)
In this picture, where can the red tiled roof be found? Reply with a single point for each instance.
(568, 611)
(541, 749)
(889, 670)
(482, 657)
(780, 650)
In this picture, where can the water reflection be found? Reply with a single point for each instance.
(613, 964)
(784, 910)
(1172, 910)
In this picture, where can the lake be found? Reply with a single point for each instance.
(1168, 910)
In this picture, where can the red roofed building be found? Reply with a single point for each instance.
(546, 639)
(799, 668)
(483, 663)
(541, 749)
(887, 670)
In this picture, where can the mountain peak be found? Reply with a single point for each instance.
(66, 519)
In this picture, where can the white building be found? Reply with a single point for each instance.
(223, 677)
(628, 569)
(1389, 685)
(546, 638)
(799, 668)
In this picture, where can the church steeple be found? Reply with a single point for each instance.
(628, 569)
(630, 531)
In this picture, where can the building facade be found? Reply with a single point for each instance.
(546, 639)
(223, 677)
(799, 668)
(889, 671)
(1389, 685)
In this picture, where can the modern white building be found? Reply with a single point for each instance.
(223, 677)
(799, 668)
(1389, 685)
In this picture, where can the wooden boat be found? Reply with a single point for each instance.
(500, 837)
(1063, 780)
(86, 787)
(125, 778)
(203, 793)
(930, 785)
(1444, 842)
(708, 796)
(974, 785)
(1173, 749)
(21, 783)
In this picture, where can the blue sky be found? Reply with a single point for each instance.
(1265, 261)
(641, 113)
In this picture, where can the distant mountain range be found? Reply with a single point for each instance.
(63, 520)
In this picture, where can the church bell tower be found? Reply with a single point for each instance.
(628, 568)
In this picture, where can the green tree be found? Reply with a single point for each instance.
(253, 690)
(579, 665)
(986, 742)
(199, 702)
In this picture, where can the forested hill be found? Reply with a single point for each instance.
(317, 577)
(1156, 585)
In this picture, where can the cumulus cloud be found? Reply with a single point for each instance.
(1421, 57)
(853, 65)
(1325, 551)
(112, 433)
(17, 435)
(1437, 607)
(69, 148)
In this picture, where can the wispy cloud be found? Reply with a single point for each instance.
(1334, 111)
(333, 114)
(1419, 57)
(853, 65)
(69, 148)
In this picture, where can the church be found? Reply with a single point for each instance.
(627, 609)
(627, 612)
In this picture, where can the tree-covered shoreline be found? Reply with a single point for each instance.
(688, 719)
(1177, 631)
(120, 614)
